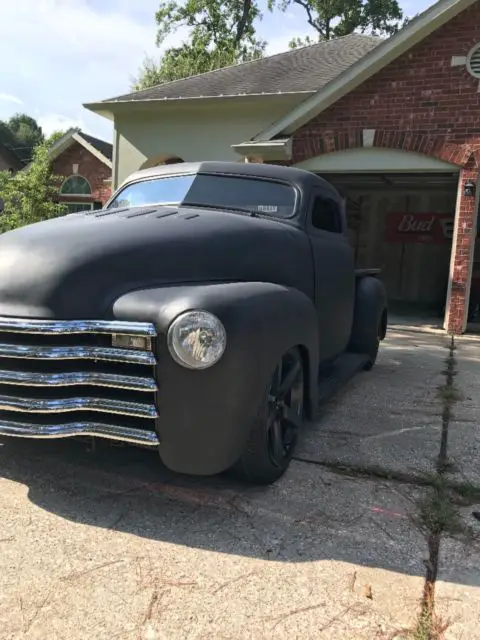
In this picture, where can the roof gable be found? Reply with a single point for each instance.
(98, 148)
(388, 51)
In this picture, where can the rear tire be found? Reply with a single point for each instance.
(273, 435)
(370, 319)
(372, 356)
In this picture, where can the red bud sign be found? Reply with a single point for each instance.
(431, 228)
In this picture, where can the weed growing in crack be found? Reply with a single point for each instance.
(429, 627)
(469, 493)
(449, 394)
(424, 627)
(438, 513)
(447, 466)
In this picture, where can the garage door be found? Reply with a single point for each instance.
(403, 224)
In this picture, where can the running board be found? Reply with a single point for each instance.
(342, 370)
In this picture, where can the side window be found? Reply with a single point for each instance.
(326, 215)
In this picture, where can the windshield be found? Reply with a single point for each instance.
(242, 193)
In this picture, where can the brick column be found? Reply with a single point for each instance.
(461, 262)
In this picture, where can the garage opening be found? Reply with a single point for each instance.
(403, 223)
(473, 323)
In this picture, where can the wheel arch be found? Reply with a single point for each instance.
(263, 321)
(370, 314)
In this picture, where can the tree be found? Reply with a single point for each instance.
(26, 129)
(222, 33)
(54, 137)
(29, 195)
(336, 18)
(21, 134)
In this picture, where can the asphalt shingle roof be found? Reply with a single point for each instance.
(298, 70)
(100, 145)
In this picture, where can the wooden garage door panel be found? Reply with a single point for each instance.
(415, 273)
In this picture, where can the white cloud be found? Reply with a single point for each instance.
(7, 97)
(280, 43)
(67, 52)
(51, 122)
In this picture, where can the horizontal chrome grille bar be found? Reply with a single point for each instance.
(64, 405)
(92, 378)
(108, 354)
(110, 431)
(67, 327)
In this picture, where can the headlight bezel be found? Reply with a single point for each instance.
(174, 343)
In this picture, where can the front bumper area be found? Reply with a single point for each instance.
(51, 370)
(71, 429)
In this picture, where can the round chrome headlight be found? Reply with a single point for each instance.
(196, 339)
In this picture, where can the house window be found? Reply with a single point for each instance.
(76, 207)
(76, 186)
(326, 216)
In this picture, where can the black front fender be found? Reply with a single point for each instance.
(205, 416)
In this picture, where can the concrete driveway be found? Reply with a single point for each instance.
(369, 535)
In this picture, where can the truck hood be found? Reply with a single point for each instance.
(76, 266)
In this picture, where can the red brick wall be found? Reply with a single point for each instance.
(420, 92)
(89, 166)
(418, 103)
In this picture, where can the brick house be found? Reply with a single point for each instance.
(85, 163)
(394, 124)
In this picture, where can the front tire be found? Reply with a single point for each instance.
(372, 355)
(273, 435)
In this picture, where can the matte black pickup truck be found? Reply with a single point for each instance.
(205, 311)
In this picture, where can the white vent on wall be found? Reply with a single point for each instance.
(473, 61)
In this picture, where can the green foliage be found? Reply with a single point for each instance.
(337, 18)
(29, 194)
(295, 43)
(227, 25)
(54, 137)
(183, 62)
(26, 130)
(21, 134)
(7, 137)
(221, 33)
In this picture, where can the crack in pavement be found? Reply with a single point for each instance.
(435, 524)
(434, 537)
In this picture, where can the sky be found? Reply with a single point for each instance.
(56, 55)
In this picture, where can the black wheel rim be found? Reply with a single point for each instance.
(285, 408)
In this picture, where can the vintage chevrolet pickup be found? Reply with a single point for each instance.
(205, 311)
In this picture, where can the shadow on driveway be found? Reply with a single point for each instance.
(311, 514)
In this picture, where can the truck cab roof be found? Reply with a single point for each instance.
(303, 180)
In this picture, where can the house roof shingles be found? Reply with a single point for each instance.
(303, 70)
(105, 148)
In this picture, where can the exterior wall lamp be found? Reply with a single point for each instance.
(469, 189)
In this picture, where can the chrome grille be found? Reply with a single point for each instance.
(65, 378)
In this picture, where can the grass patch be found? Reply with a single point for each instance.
(468, 492)
(429, 627)
(424, 627)
(438, 512)
(449, 394)
(447, 466)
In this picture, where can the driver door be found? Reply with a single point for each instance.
(334, 273)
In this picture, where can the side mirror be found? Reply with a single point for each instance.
(2, 205)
